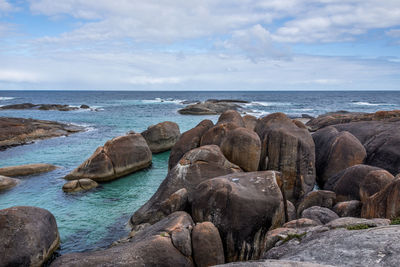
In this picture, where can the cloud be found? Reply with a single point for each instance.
(18, 76)
(393, 33)
(5, 6)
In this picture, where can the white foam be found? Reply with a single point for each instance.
(268, 104)
(160, 100)
(4, 98)
(360, 103)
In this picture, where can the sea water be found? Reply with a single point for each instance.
(96, 218)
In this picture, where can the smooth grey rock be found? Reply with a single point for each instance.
(345, 222)
(319, 214)
(274, 263)
(350, 208)
(371, 247)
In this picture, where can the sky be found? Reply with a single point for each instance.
(200, 45)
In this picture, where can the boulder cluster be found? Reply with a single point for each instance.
(263, 192)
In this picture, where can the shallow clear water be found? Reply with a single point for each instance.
(98, 217)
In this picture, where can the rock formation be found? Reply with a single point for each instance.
(162, 136)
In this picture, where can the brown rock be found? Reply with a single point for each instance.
(301, 223)
(19, 131)
(120, 156)
(217, 134)
(250, 122)
(385, 203)
(243, 206)
(243, 148)
(290, 150)
(321, 198)
(350, 208)
(153, 246)
(291, 211)
(374, 182)
(211, 107)
(79, 185)
(336, 151)
(7, 182)
(346, 184)
(196, 166)
(188, 141)
(24, 170)
(207, 245)
(231, 116)
(162, 136)
(319, 214)
(29, 236)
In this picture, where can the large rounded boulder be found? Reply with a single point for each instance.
(29, 236)
(118, 157)
(290, 150)
(162, 136)
(196, 166)
(7, 182)
(79, 185)
(165, 243)
(217, 134)
(188, 141)
(243, 148)
(231, 116)
(385, 203)
(250, 122)
(356, 181)
(243, 206)
(335, 151)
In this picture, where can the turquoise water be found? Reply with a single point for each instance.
(96, 218)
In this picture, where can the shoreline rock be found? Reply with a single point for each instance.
(28, 169)
(7, 182)
(20, 131)
(213, 107)
(79, 185)
(58, 107)
(162, 136)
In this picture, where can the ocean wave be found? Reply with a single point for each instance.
(268, 104)
(4, 98)
(258, 113)
(360, 103)
(161, 100)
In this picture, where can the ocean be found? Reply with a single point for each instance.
(96, 218)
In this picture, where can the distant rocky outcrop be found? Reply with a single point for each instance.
(28, 169)
(44, 107)
(162, 136)
(213, 107)
(19, 131)
(118, 157)
(29, 236)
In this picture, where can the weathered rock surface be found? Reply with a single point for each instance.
(217, 134)
(274, 263)
(250, 122)
(301, 223)
(290, 150)
(154, 246)
(319, 214)
(243, 148)
(343, 247)
(321, 198)
(345, 222)
(335, 151)
(196, 166)
(334, 118)
(188, 141)
(44, 107)
(347, 183)
(385, 203)
(19, 131)
(231, 116)
(162, 136)
(374, 182)
(350, 208)
(291, 211)
(381, 140)
(79, 185)
(211, 107)
(118, 157)
(7, 182)
(29, 236)
(207, 245)
(24, 170)
(243, 206)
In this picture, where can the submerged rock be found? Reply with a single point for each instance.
(118, 157)
(79, 185)
(19, 131)
(290, 150)
(196, 166)
(29, 169)
(162, 136)
(188, 141)
(243, 206)
(7, 182)
(29, 236)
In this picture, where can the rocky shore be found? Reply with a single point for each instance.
(45, 107)
(243, 192)
(213, 107)
(19, 131)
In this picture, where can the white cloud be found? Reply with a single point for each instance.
(5, 6)
(394, 33)
(18, 76)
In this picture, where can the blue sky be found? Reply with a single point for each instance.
(200, 45)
